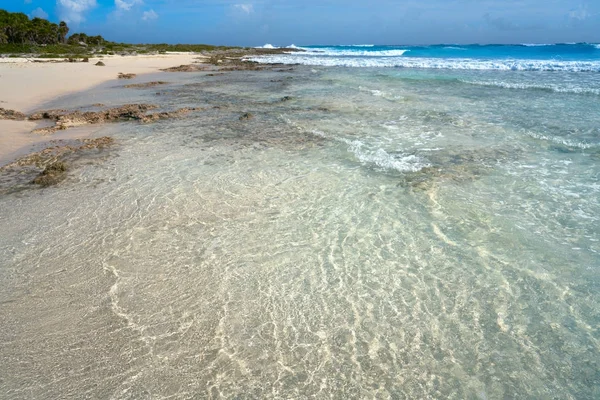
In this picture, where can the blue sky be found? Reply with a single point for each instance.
(303, 22)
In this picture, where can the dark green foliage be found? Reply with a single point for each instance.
(82, 38)
(63, 29)
(17, 28)
(39, 37)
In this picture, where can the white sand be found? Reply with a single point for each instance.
(24, 85)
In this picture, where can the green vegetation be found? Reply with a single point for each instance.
(83, 39)
(40, 38)
(17, 28)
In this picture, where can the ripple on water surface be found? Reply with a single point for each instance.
(276, 257)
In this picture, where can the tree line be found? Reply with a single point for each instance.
(17, 28)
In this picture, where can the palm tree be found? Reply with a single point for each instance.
(63, 30)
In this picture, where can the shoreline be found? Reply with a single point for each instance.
(50, 79)
(26, 85)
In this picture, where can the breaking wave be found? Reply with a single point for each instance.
(379, 59)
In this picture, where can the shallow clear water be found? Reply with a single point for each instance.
(383, 234)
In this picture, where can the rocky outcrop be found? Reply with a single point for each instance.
(130, 112)
(49, 166)
(145, 85)
(100, 64)
(186, 68)
(231, 60)
(52, 174)
(126, 76)
(11, 114)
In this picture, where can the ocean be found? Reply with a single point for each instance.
(401, 222)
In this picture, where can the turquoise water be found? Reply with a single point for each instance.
(575, 57)
(385, 233)
(559, 51)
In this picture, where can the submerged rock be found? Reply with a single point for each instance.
(246, 116)
(186, 68)
(145, 85)
(48, 166)
(52, 174)
(126, 76)
(460, 165)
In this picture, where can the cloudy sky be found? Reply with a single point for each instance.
(303, 22)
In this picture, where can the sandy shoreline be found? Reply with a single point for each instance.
(25, 85)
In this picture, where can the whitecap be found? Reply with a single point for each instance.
(536, 44)
(329, 59)
(335, 52)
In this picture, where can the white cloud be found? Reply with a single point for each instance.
(73, 10)
(247, 8)
(126, 5)
(580, 13)
(149, 15)
(39, 13)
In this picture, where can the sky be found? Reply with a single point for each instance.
(305, 22)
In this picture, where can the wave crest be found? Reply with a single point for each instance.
(324, 59)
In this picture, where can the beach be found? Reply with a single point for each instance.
(347, 222)
(27, 83)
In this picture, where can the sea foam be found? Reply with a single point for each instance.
(527, 86)
(360, 52)
(381, 59)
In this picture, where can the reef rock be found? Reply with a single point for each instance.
(130, 112)
(126, 76)
(11, 114)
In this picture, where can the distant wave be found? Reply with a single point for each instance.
(549, 87)
(537, 44)
(330, 59)
(270, 46)
(454, 48)
(337, 52)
